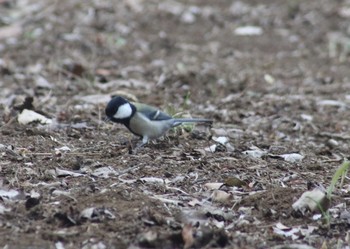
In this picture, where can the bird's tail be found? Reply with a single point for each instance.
(179, 121)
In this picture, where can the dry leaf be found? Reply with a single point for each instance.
(11, 31)
(292, 157)
(221, 196)
(315, 200)
(213, 185)
(29, 116)
(187, 236)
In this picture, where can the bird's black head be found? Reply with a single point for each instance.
(119, 110)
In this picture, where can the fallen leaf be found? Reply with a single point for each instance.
(10, 194)
(194, 202)
(314, 200)
(235, 182)
(220, 196)
(213, 185)
(11, 31)
(188, 17)
(334, 103)
(294, 246)
(3, 209)
(269, 79)
(154, 180)
(212, 148)
(73, 69)
(255, 152)
(59, 245)
(41, 82)
(187, 236)
(248, 31)
(63, 172)
(222, 140)
(281, 229)
(103, 72)
(293, 157)
(29, 116)
(306, 117)
(104, 172)
(63, 148)
(96, 214)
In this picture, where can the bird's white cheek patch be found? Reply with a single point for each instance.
(124, 111)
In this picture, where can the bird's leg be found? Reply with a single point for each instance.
(140, 144)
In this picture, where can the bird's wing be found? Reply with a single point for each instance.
(151, 112)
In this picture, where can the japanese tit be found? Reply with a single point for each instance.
(143, 120)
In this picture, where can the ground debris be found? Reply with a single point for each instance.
(277, 91)
(314, 200)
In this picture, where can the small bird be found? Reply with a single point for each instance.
(143, 120)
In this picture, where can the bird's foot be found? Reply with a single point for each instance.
(134, 149)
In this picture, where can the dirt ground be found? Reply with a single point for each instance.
(273, 75)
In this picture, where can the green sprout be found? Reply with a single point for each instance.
(323, 202)
(179, 113)
(340, 173)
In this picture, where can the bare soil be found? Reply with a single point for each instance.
(284, 90)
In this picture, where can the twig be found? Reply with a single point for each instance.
(165, 200)
(177, 189)
(8, 123)
(334, 135)
(65, 153)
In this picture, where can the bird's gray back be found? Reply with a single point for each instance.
(143, 126)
